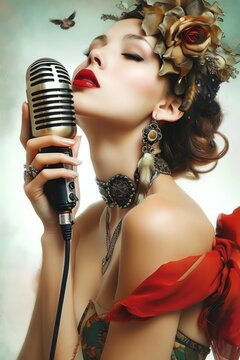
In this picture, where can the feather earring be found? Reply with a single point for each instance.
(151, 136)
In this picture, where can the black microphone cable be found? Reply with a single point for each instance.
(67, 235)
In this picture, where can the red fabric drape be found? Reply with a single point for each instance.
(212, 278)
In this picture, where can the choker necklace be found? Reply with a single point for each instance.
(121, 191)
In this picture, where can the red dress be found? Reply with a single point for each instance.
(212, 278)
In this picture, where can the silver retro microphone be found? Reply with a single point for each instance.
(50, 99)
(51, 109)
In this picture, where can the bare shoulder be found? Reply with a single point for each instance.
(181, 225)
(159, 230)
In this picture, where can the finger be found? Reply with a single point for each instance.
(26, 127)
(75, 147)
(34, 145)
(46, 175)
(43, 159)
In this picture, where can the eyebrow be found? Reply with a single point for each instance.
(137, 37)
(104, 38)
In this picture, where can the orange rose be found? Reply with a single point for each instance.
(187, 38)
(193, 34)
(195, 40)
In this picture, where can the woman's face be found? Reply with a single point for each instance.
(128, 85)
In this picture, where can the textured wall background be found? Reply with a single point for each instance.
(26, 35)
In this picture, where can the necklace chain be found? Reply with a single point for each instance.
(121, 191)
(110, 242)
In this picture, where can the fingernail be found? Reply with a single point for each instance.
(79, 139)
(67, 141)
(23, 104)
(74, 174)
(77, 161)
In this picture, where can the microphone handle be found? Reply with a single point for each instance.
(60, 192)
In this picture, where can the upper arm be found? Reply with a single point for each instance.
(86, 222)
(153, 234)
(86, 257)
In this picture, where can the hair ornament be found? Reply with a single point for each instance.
(189, 44)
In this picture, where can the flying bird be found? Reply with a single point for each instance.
(65, 23)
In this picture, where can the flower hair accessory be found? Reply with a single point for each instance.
(189, 43)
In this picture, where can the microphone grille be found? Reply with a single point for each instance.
(50, 99)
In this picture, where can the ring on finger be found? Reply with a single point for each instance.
(30, 173)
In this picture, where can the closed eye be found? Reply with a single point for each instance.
(133, 56)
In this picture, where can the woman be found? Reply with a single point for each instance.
(149, 278)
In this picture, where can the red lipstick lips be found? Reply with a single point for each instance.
(85, 78)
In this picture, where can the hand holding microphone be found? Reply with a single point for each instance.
(52, 129)
(49, 173)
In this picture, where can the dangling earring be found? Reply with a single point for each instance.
(152, 135)
(150, 165)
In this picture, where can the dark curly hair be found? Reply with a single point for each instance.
(189, 143)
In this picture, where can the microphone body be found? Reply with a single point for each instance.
(51, 110)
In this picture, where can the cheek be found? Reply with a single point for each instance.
(135, 95)
(142, 82)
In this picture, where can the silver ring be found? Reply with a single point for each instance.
(30, 173)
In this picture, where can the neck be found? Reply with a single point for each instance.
(115, 155)
(113, 150)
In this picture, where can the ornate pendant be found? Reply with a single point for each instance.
(119, 191)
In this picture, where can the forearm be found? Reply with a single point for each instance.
(38, 340)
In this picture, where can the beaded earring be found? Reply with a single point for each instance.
(151, 136)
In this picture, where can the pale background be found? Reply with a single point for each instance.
(27, 35)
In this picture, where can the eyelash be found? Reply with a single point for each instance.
(130, 56)
(133, 56)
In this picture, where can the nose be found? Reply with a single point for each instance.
(96, 57)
